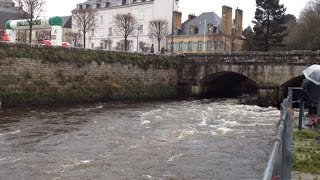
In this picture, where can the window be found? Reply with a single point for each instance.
(221, 46)
(199, 47)
(141, 15)
(196, 30)
(215, 29)
(110, 32)
(101, 19)
(175, 46)
(101, 32)
(110, 19)
(209, 45)
(141, 29)
(191, 30)
(92, 32)
(92, 45)
(180, 46)
(190, 46)
(210, 28)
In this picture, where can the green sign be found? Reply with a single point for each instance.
(26, 23)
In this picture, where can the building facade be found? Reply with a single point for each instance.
(144, 11)
(208, 33)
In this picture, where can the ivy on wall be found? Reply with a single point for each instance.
(83, 56)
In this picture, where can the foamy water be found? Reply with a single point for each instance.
(209, 139)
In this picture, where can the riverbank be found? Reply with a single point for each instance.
(306, 154)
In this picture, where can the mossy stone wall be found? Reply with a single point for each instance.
(46, 75)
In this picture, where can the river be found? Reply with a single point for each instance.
(199, 139)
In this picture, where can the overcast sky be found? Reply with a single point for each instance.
(64, 7)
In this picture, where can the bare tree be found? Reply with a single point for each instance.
(32, 10)
(126, 24)
(158, 29)
(84, 21)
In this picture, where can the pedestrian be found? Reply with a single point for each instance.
(152, 49)
(313, 92)
(163, 50)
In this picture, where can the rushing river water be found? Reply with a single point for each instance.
(207, 139)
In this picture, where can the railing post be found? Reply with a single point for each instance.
(287, 140)
(301, 110)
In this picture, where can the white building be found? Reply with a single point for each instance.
(143, 10)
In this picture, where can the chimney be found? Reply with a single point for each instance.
(226, 21)
(191, 16)
(238, 18)
(177, 19)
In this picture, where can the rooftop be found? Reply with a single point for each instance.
(100, 4)
(199, 21)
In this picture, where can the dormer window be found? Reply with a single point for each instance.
(196, 30)
(193, 30)
(94, 6)
(215, 29)
(210, 29)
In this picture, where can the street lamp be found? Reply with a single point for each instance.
(138, 39)
(172, 24)
(204, 34)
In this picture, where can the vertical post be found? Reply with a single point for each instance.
(286, 148)
(172, 24)
(287, 139)
(204, 35)
(138, 38)
(301, 110)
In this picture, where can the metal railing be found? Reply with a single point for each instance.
(280, 156)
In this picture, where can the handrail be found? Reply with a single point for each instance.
(283, 138)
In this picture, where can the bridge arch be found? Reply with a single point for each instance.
(226, 84)
(294, 82)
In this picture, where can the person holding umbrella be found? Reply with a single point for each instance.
(311, 85)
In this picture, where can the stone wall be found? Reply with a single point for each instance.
(46, 75)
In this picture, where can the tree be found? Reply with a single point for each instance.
(304, 35)
(126, 24)
(269, 24)
(32, 10)
(84, 21)
(248, 44)
(158, 29)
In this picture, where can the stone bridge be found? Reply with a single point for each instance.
(264, 74)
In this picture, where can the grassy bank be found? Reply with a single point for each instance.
(306, 151)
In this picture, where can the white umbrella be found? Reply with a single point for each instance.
(312, 73)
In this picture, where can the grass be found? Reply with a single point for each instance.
(306, 151)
